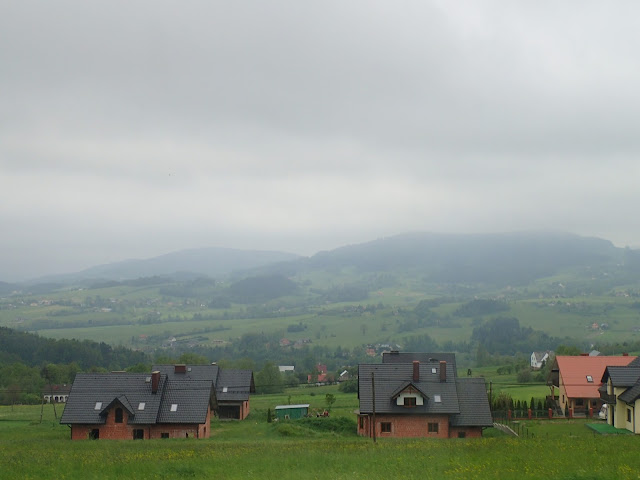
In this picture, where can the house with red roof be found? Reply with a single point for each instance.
(575, 381)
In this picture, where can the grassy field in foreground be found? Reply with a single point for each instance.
(256, 449)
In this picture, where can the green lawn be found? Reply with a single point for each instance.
(256, 449)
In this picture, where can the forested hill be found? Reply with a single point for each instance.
(514, 259)
(32, 350)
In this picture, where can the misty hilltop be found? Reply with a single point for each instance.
(210, 262)
(494, 259)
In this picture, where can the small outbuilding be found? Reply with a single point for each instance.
(292, 412)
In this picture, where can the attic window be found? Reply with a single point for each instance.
(141, 406)
(437, 399)
(147, 380)
(98, 406)
(174, 407)
(224, 389)
(410, 401)
(589, 379)
(433, 370)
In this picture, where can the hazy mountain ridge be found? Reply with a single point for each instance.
(211, 262)
(509, 258)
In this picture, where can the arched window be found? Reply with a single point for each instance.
(118, 415)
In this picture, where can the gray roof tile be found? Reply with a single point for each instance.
(390, 377)
(90, 388)
(474, 404)
(234, 385)
(193, 397)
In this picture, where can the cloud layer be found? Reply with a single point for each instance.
(130, 129)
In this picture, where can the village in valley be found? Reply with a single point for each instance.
(212, 376)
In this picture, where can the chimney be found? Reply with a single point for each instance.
(180, 369)
(155, 381)
(584, 354)
(416, 371)
(443, 371)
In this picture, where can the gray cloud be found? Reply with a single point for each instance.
(129, 129)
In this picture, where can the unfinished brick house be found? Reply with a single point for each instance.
(138, 406)
(233, 386)
(419, 395)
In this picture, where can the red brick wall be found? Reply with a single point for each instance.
(414, 426)
(469, 432)
(244, 410)
(123, 431)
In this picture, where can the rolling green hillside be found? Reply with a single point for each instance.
(423, 291)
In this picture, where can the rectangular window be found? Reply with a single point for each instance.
(385, 427)
(164, 435)
(462, 434)
(628, 414)
(410, 401)
(433, 427)
(98, 406)
(138, 434)
(437, 398)
(174, 407)
(361, 422)
(589, 379)
(141, 406)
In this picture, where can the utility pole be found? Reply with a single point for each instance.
(373, 396)
(490, 395)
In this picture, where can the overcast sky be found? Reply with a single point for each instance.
(129, 129)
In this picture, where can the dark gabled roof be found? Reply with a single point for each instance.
(403, 386)
(474, 404)
(234, 385)
(93, 395)
(390, 377)
(631, 394)
(192, 399)
(408, 357)
(621, 376)
(129, 389)
(192, 372)
(119, 400)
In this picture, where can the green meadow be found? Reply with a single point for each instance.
(144, 312)
(253, 448)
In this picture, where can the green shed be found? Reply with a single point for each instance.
(291, 412)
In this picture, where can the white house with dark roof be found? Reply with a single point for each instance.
(538, 359)
(138, 406)
(419, 395)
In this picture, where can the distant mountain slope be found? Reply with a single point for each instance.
(514, 258)
(211, 262)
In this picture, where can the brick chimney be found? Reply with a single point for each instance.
(416, 371)
(155, 381)
(443, 371)
(180, 369)
(625, 354)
